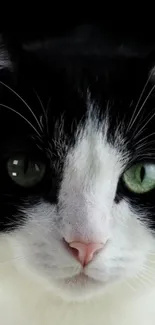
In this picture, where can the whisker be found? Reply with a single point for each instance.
(49, 153)
(14, 259)
(48, 105)
(130, 286)
(145, 146)
(152, 262)
(132, 121)
(140, 131)
(148, 136)
(145, 119)
(41, 121)
(146, 277)
(145, 156)
(148, 269)
(23, 117)
(43, 108)
(24, 102)
(147, 274)
(139, 111)
(141, 281)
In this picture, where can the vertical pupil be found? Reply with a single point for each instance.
(142, 174)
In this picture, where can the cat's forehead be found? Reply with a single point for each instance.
(93, 150)
(65, 100)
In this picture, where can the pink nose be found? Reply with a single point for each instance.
(85, 252)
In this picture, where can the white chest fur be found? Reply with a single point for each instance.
(22, 302)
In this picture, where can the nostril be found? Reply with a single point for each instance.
(72, 250)
(83, 252)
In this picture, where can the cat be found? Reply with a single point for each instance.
(77, 158)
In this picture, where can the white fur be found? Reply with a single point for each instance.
(39, 281)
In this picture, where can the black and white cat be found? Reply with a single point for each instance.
(77, 189)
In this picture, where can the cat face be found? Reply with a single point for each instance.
(77, 164)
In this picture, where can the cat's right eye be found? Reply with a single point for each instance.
(24, 171)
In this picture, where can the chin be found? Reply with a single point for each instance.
(79, 288)
(83, 286)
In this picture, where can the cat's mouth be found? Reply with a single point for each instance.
(81, 279)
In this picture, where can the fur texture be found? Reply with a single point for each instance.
(87, 116)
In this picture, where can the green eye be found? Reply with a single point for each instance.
(140, 178)
(25, 172)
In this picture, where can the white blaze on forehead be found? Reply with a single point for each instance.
(93, 162)
(90, 179)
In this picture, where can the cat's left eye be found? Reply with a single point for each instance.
(24, 171)
(140, 178)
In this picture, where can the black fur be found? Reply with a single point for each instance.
(62, 68)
